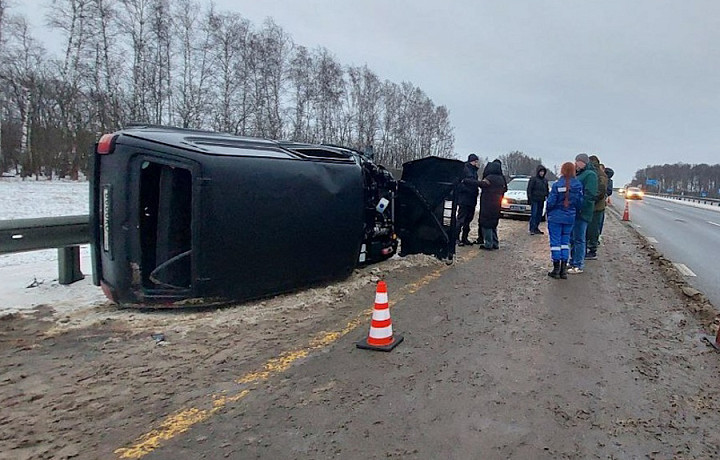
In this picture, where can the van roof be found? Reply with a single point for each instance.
(217, 143)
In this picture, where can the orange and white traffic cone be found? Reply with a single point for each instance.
(380, 337)
(626, 214)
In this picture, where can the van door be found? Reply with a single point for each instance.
(426, 209)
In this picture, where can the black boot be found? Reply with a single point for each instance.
(563, 269)
(555, 273)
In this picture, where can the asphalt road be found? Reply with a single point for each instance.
(685, 234)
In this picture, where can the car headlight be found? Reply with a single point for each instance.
(505, 202)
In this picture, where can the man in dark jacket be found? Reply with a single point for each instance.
(537, 191)
(593, 231)
(610, 173)
(493, 187)
(467, 194)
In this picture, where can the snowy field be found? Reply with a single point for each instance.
(29, 279)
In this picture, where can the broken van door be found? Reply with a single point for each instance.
(426, 210)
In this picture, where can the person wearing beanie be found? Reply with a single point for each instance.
(588, 178)
(467, 194)
(593, 231)
(563, 202)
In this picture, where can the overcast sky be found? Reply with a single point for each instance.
(635, 82)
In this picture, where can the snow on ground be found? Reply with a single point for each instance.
(687, 203)
(29, 279)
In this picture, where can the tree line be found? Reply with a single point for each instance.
(179, 63)
(681, 178)
(517, 163)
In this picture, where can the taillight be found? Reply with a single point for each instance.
(108, 291)
(106, 144)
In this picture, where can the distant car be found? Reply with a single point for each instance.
(621, 190)
(634, 193)
(515, 202)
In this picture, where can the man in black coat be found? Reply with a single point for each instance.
(467, 193)
(537, 191)
(493, 187)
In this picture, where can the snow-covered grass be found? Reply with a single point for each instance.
(27, 199)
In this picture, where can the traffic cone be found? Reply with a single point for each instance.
(380, 337)
(626, 214)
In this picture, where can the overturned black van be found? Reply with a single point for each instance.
(182, 217)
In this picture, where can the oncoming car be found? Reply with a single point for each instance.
(515, 202)
(634, 193)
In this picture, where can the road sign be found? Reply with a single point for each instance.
(651, 181)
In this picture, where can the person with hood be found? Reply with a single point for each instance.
(593, 231)
(588, 178)
(564, 200)
(467, 194)
(610, 173)
(537, 191)
(493, 187)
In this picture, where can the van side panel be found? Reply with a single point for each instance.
(173, 224)
(270, 225)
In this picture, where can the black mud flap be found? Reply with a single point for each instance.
(426, 211)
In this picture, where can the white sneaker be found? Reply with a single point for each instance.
(575, 270)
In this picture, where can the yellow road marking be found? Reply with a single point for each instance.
(183, 420)
(175, 424)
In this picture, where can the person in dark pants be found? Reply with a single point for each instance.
(467, 194)
(610, 173)
(493, 187)
(537, 191)
(593, 231)
(588, 178)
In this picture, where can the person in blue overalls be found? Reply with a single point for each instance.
(566, 197)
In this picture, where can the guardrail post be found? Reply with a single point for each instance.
(69, 265)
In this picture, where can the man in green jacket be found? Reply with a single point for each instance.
(593, 232)
(588, 177)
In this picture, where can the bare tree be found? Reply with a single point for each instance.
(329, 89)
(3, 8)
(192, 91)
(229, 40)
(302, 94)
(170, 62)
(22, 59)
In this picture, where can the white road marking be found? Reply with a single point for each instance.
(713, 223)
(668, 209)
(682, 268)
(651, 239)
(638, 226)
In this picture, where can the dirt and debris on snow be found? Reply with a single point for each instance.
(499, 361)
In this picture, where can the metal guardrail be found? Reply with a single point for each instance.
(64, 233)
(695, 199)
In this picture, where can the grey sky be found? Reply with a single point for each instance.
(635, 82)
